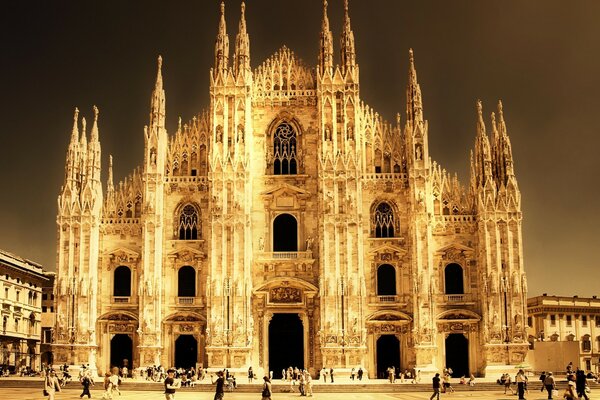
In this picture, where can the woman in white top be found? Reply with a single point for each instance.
(51, 385)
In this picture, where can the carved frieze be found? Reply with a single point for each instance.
(285, 294)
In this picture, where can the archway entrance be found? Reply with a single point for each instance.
(388, 354)
(286, 343)
(457, 354)
(186, 351)
(121, 351)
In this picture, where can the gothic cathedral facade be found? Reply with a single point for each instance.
(290, 224)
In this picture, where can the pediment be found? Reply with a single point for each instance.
(455, 247)
(388, 248)
(123, 254)
(459, 315)
(389, 316)
(285, 189)
(185, 253)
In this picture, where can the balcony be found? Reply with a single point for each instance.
(121, 299)
(186, 300)
(458, 298)
(387, 299)
(287, 255)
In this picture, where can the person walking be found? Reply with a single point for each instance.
(521, 380)
(220, 382)
(171, 384)
(436, 386)
(549, 384)
(51, 385)
(86, 381)
(507, 383)
(360, 373)
(331, 374)
(542, 379)
(250, 374)
(309, 384)
(580, 384)
(570, 390)
(266, 389)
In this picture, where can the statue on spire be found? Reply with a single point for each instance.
(348, 52)
(222, 44)
(326, 43)
(241, 56)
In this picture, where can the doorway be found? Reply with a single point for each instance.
(388, 355)
(457, 354)
(186, 351)
(121, 351)
(286, 343)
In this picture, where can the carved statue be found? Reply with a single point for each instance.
(309, 243)
(219, 134)
(261, 244)
(418, 153)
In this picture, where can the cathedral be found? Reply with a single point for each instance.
(290, 224)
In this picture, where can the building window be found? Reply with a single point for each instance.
(44, 309)
(285, 233)
(553, 320)
(453, 279)
(529, 322)
(122, 282)
(6, 293)
(46, 335)
(383, 221)
(586, 343)
(45, 296)
(569, 320)
(186, 282)
(598, 321)
(584, 320)
(17, 295)
(188, 223)
(588, 364)
(386, 280)
(284, 150)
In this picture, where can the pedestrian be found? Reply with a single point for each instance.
(107, 395)
(331, 374)
(266, 390)
(86, 381)
(570, 390)
(360, 373)
(507, 383)
(324, 373)
(580, 384)
(542, 379)
(250, 374)
(521, 380)
(171, 384)
(309, 384)
(436, 387)
(549, 384)
(51, 385)
(220, 382)
(115, 381)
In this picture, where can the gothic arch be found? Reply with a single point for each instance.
(284, 147)
(385, 219)
(187, 221)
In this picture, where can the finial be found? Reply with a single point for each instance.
(96, 112)
(243, 6)
(346, 6)
(325, 4)
(222, 8)
(411, 55)
(493, 119)
(479, 107)
(76, 114)
(110, 164)
(159, 61)
(500, 111)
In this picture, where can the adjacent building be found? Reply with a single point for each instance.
(291, 224)
(564, 329)
(22, 281)
(48, 319)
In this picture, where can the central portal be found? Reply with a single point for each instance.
(286, 343)
(121, 351)
(457, 354)
(186, 351)
(388, 355)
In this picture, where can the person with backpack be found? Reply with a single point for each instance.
(86, 381)
(266, 389)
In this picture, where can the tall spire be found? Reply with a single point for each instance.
(242, 46)
(326, 43)
(347, 41)
(504, 146)
(94, 134)
(222, 44)
(483, 156)
(414, 103)
(157, 103)
(75, 130)
(110, 186)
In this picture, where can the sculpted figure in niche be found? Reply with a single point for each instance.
(240, 133)
(418, 153)
(309, 243)
(261, 244)
(350, 132)
(219, 134)
(327, 133)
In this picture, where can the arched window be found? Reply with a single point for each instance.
(186, 282)
(122, 282)
(285, 233)
(386, 280)
(453, 278)
(188, 223)
(284, 150)
(383, 221)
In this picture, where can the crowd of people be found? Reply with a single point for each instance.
(394, 374)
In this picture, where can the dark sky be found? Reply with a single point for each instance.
(541, 57)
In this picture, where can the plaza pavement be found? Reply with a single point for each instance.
(72, 394)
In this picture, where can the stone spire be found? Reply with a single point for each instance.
(414, 103)
(326, 43)
(222, 44)
(347, 41)
(94, 134)
(157, 103)
(504, 148)
(483, 155)
(110, 185)
(75, 130)
(241, 56)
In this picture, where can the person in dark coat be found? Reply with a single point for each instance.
(580, 383)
